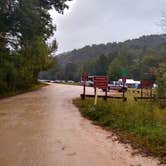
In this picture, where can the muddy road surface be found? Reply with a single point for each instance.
(44, 128)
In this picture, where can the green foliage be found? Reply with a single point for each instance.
(101, 65)
(142, 123)
(137, 56)
(120, 61)
(161, 80)
(70, 71)
(114, 69)
(25, 27)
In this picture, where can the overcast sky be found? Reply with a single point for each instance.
(90, 22)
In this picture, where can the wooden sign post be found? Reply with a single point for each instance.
(84, 79)
(96, 93)
(124, 74)
(123, 81)
(101, 82)
(146, 84)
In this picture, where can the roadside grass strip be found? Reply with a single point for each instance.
(142, 124)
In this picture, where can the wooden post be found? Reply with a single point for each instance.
(84, 78)
(105, 98)
(141, 93)
(123, 91)
(95, 90)
(84, 90)
(95, 102)
(151, 92)
(141, 90)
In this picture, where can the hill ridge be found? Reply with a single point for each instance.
(89, 52)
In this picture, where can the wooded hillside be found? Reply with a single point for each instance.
(137, 56)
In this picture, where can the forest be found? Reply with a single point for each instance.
(139, 57)
(25, 27)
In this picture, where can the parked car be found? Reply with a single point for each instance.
(70, 81)
(118, 88)
(90, 81)
(116, 85)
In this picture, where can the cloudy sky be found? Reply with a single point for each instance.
(100, 21)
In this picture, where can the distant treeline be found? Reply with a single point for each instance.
(139, 57)
(25, 26)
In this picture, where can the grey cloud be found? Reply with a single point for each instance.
(96, 21)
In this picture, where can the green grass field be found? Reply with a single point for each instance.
(143, 124)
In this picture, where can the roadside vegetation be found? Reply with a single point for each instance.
(25, 27)
(33, 87)
(143, 124)
(137, 56)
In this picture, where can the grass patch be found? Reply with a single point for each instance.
(143, 124)
(32, 88)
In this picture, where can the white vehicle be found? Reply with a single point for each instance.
(70, 81)
(90, 81)
(117, 85)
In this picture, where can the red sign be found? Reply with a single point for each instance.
(84, 76)
(124, 80)
(100, 82)
(146, 84)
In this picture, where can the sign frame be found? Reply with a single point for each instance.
(101, 82)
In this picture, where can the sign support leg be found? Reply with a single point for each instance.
(95, 96)
(105, 98)
(141, 91)
(123, 91)
(84, 92)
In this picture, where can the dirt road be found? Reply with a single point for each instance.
(44, 128)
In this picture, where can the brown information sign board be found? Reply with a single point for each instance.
(146, 84)
(84, 76)
(124, 80)
(101, 82)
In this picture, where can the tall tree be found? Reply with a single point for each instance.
(114, 69)
(101, 65)
(25, 26)
(161, 79)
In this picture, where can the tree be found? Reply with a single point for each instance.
(101, 65)
(25, 27)
(136, 56)
(161, 80)
(114, 69)
(70, 71)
